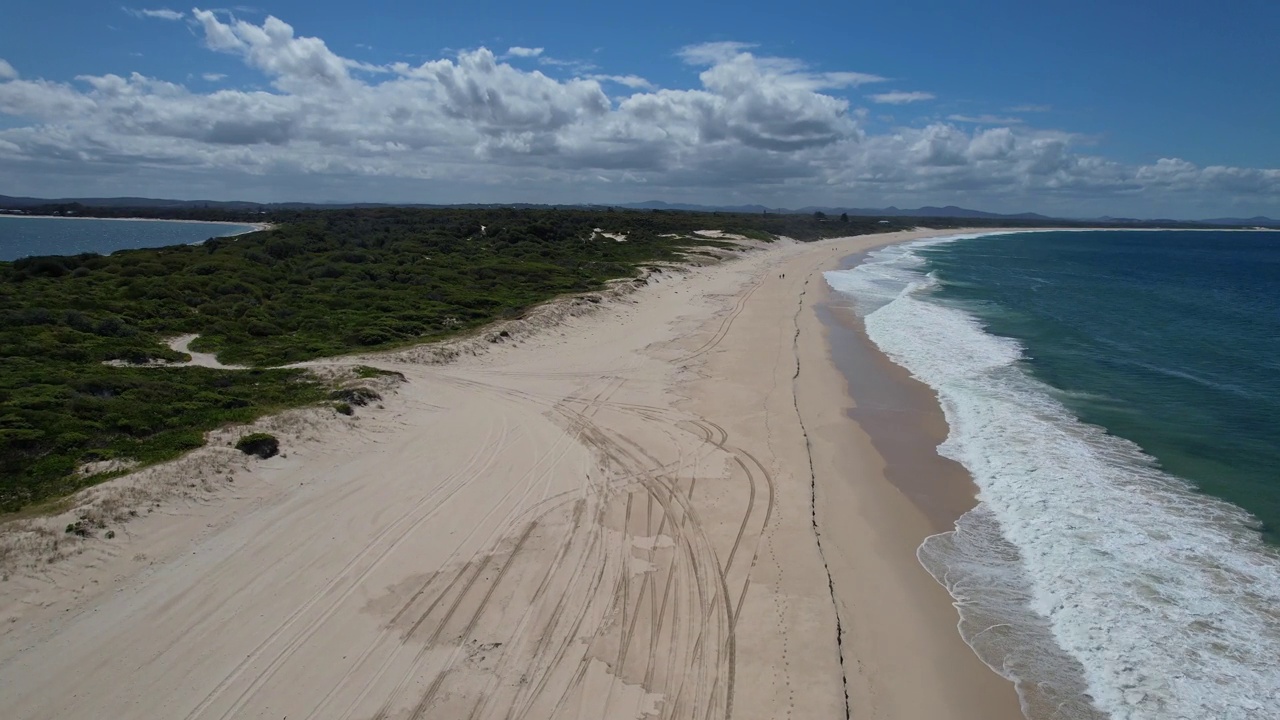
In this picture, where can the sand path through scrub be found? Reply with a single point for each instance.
(609, 520)
(182, 344)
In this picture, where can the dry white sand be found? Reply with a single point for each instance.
(608, 519)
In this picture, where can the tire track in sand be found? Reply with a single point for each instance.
(402, 685)
(502, 439)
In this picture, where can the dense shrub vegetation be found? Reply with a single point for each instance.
(264, 445)
(56, 414)
(321, 283)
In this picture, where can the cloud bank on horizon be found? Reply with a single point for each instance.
(482, 126)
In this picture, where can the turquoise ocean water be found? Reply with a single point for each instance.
(1116, 397)
(22, 236)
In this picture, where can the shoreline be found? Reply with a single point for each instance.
(875, 459)
(899, 414)
(1073, 507)
(648, 508)
(256, 227)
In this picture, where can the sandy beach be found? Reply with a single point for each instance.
(699, 499)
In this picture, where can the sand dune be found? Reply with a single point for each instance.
(609, 519)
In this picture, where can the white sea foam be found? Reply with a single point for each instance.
(1086, 574)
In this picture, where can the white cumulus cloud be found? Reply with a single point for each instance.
(160, 14)
(523, 52)
(898, 97)
(794, 72)
(298, 64)
(747, 126)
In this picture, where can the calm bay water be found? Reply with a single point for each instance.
(23, 236)
(1116, 397)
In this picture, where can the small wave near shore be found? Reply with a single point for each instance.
(1100, 585)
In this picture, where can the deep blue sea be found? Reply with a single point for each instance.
(23, 236)
(1116, 398)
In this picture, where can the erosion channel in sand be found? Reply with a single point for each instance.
(614, 517)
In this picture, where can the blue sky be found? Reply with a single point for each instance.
(1076, 108)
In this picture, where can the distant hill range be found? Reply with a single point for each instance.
(950, 211)
(9, 202)
(928, 211)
